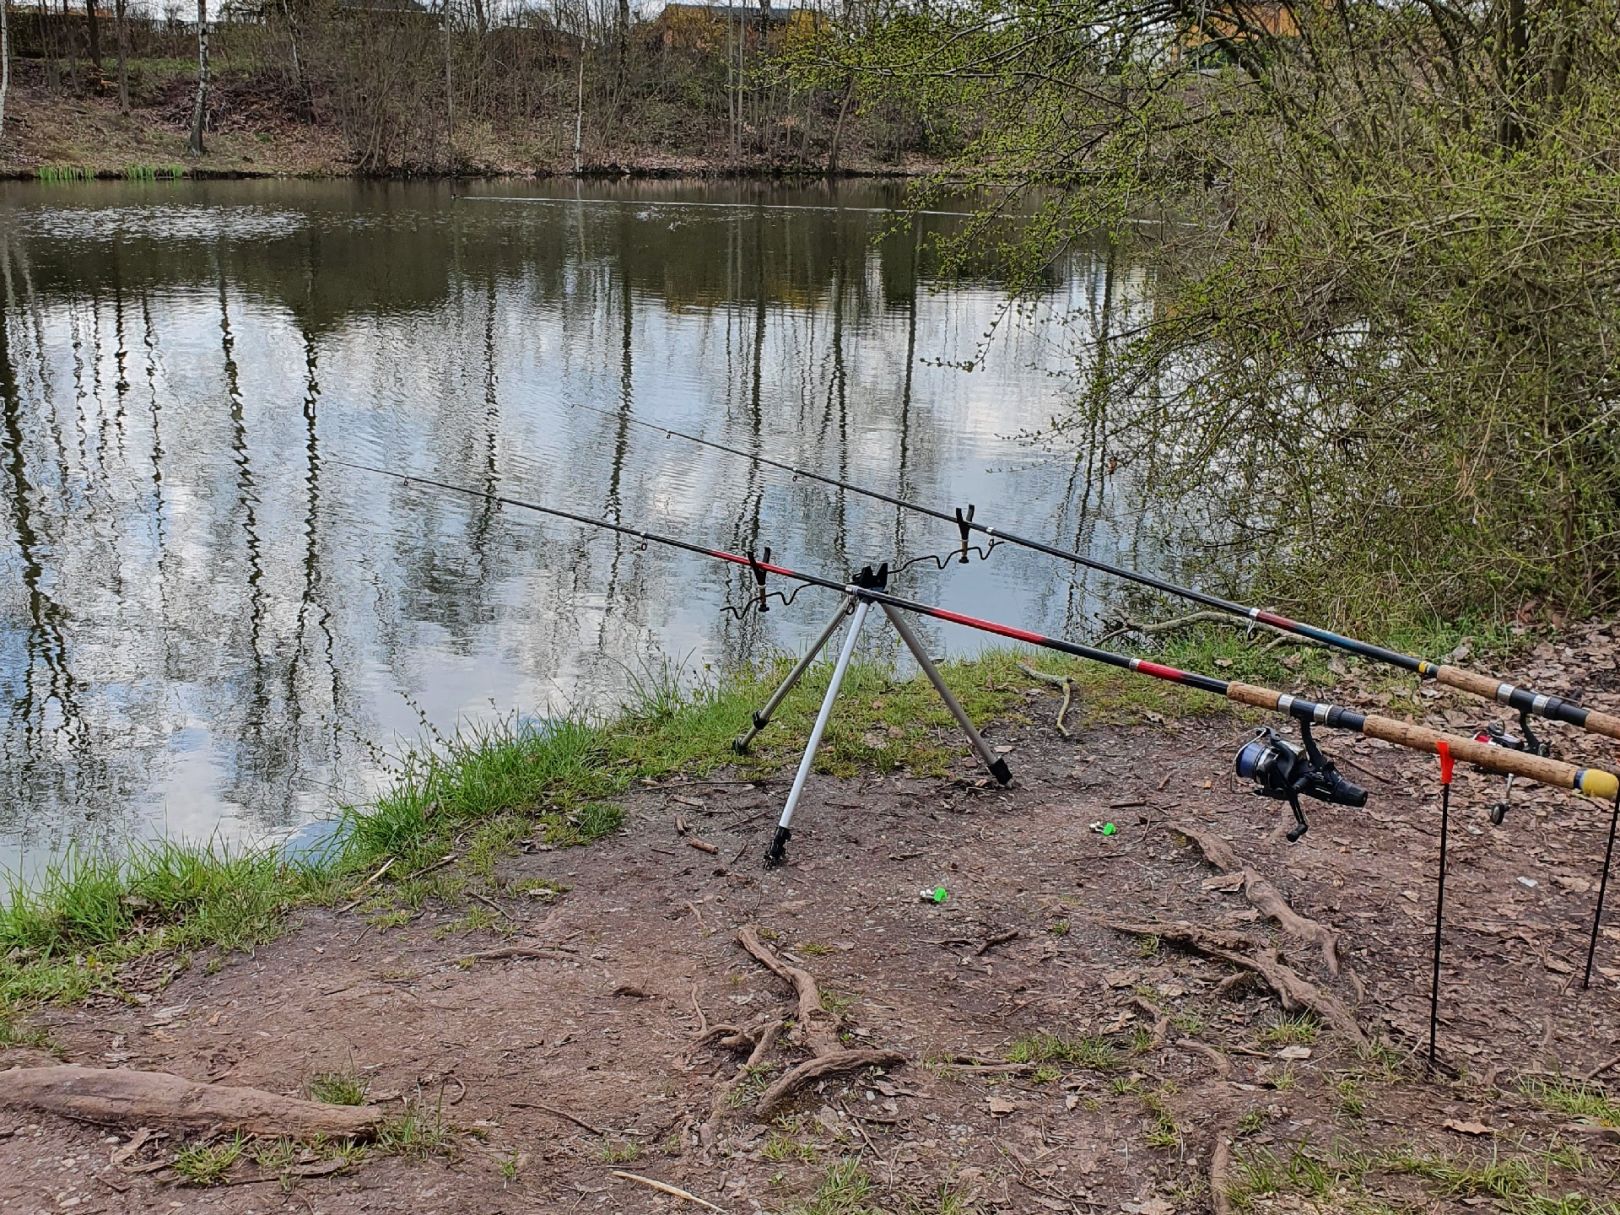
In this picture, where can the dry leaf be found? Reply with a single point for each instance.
(1468, 1128)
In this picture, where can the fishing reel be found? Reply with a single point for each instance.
(1280, 771)
(1494, 735)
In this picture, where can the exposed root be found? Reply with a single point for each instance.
(1221, 1064)
(1295, 992)
(1267, 899)
(823, 1065)
(814, 1027)
(125, 1097)
(1160, 1019)
(1220, 1170)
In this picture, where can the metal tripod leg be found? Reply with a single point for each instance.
(762, 716)
(778, 849)
(995, 763)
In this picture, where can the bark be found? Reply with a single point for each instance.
(124, 1097)
(199, 111)
(5, 66)
(121, 21)
(94, 22)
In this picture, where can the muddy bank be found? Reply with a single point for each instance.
(595, 1014)
(51, 131)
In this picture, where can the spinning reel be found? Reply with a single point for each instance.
(1281, 772)
(1494, 735)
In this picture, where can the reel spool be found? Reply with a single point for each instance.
(1280, 771)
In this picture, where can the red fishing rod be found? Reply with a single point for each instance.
(1526, 701)
(1276, 768)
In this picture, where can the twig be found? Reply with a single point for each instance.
(665, 1188)
(1001, 938)
(1601, 1068)
(515, 952)
(563, 1114)
(1062, 681)
(365, 885)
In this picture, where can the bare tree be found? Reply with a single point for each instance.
(199, 111)
(94, 21)
(121, 21)
(5, 65)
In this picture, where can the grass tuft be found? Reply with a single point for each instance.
(1096, 1053)
(337, 1088)
(208, 1163)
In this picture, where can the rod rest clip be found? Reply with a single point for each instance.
(963, 525)
(868, 579)
(758, 571)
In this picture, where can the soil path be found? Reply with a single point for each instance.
(1138, 1060)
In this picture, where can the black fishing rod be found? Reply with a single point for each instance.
(1276, 768)
(1526, 701)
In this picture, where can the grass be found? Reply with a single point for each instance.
(1043, 1048)
(415, 1134)
(623, 1151)
(1576, 1098)
(1298, 1030)
(1536, 1183)
(337, 1088)
(845, 1189)
(208, 1164)
(61, 173)
(154, 172)
(69, 931)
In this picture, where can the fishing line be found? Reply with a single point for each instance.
(1524, 700)
(1280, 772)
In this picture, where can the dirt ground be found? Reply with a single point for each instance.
(1053, 1062)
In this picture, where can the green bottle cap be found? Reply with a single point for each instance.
(941, 894)
(1108, 829)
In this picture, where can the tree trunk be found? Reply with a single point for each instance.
(94, 22)
(292, 39)
(121, 20)
(579, 111)
(199, 111)
(449, 97)
(5, 66)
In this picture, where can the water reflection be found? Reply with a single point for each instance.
(210, 623)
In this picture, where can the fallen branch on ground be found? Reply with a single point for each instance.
(1062, 681)
(663, 1187)
(124, 1097)
(1151, 628)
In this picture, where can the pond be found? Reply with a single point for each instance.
(214, 625)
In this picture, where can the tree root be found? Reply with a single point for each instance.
(1295, 992)
(1268, 900)
(823, 1065)
(814, 1027)
(1221, 1064)
(1220, 1171)
(124, 1097)
(1160, 1019)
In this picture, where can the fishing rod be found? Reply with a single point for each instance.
(1277, 770)
(1525, 700)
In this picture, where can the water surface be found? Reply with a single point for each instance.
(209, 624)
